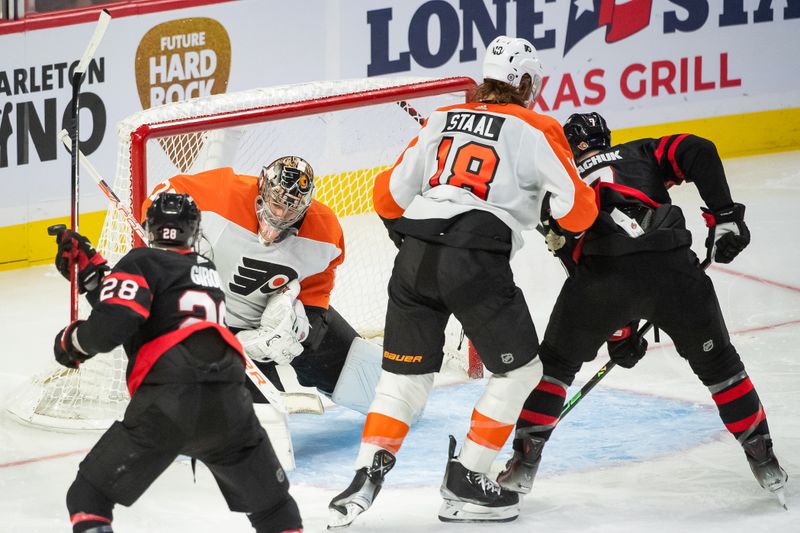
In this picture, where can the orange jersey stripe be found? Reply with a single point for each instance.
(384, 431)
(487, 431)
(220, 190)
(320, 224)
(382, 199)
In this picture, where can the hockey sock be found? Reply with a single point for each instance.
(399, 400)
(89, 510)
(540, 411)
(739, 407)
(494, 416)
(283, 517)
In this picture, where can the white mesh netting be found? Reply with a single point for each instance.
(347, 148)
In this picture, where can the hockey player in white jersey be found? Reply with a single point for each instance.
(455, 203)
(276, 250)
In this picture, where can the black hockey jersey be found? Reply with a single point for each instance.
(152, 300)
(631, 183)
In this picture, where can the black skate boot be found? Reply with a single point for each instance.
(521, 468)
(765, 467)
(474, 497)
(363, 490)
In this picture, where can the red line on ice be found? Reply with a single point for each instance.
(758, 279)
(42, 458)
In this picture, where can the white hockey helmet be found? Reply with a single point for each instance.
(507, 59)
(285, 189)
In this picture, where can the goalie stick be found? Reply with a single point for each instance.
(77, 80)
(603, 372)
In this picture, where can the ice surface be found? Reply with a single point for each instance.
(644, 451)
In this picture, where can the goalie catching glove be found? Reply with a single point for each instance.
(92, 266)
(727, 233)
(284, 326)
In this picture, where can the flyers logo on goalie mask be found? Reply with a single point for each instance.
(254, 275)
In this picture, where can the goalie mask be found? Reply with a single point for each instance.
(587, 131)
(285, 189)
(172, 221)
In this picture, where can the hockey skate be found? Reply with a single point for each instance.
(363, 490)
(472, 496)
(765, 467)
(521, 468)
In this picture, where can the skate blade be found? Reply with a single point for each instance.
(337, 520)
(458, 511)
(781, 495)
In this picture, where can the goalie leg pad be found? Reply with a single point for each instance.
(358, 380)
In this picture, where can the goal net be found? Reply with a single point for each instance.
(348, 130)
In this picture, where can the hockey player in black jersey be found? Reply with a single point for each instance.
(185, 375)
(635, 263)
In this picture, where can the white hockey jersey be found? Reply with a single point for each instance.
(250, 271)
(500, 158)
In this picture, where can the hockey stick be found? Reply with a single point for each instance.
(600, 374)
(413, 113)
(77, 80)
(110, 194)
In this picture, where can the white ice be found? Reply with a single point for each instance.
(703, 486)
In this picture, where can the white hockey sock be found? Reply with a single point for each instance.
(398, 401)
(495, 414)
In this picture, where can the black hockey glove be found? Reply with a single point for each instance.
(727, 233)
(92, 266)
(559, 242)
(626, 347)
(65, 351)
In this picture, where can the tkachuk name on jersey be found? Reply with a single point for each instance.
(477, 124)
(206, 277)
(606, 157)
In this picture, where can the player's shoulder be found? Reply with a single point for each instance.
(320, 223)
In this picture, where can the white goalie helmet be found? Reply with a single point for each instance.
(507, 59)
(285, 188)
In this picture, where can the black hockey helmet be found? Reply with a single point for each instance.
(172, 220)
(587, 131)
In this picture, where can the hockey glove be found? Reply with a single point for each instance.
(727, 233)
(65, 349)
(284, 326)
(92, 266)
(626, 347)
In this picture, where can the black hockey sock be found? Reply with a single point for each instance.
(89, 510)
(541, 410)
(282, 517)
(739, 407)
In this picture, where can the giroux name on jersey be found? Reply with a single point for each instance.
(597, 159)
(477, 124)
(206, 277)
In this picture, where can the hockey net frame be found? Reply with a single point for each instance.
(64, 399)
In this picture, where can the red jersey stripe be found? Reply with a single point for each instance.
(671, 155)
(130, 304)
